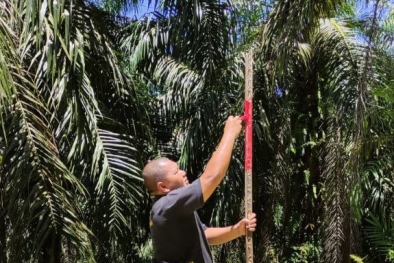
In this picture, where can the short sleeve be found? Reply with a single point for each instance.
(182, 201)
(204, 227)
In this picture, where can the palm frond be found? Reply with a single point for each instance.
(285, 24)
(114, 158)
(163, 34)
(33, 166)
(379, 233)
(8, 52)
(67, 68)
(117, 6)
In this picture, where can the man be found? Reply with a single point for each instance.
(178, 236)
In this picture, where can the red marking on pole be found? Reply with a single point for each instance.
(248, 135)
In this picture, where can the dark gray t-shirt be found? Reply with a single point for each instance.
(177, 232)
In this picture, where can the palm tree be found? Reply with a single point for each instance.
(83, 92)
(309, 115)
(74, 130)
(317, 66)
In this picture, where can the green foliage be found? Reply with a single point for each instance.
(305, 253)
(356, 259)
(71, 127)
(145, 251)
(379, 234)
(87, 97)
(390, 255)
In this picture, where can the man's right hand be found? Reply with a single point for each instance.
(233, 126)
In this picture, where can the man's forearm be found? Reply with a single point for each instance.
(220, 235)
(217, 166)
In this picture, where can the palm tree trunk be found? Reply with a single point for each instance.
(346, 248)
(52, 249)
(3, 246)
(311, 157)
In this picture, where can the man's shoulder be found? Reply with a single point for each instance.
(195, 186)
(181, 201)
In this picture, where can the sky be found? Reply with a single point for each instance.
(143, 9)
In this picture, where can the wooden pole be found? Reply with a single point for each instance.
(248, 113)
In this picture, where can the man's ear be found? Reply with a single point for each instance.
(161, 187)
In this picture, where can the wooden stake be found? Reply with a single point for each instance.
(248, 113)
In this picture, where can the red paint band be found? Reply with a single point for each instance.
(248, 134)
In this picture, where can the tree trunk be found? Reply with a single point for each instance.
(52, 249)
(3, 245)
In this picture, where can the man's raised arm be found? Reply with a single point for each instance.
(218, 164)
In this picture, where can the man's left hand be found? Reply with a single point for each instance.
(246, 224)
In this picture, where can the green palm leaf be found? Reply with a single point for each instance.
(379, 234)
(114, 158)
(32, 165)
(65, 78)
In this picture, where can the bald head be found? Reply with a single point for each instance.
(154, 172)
